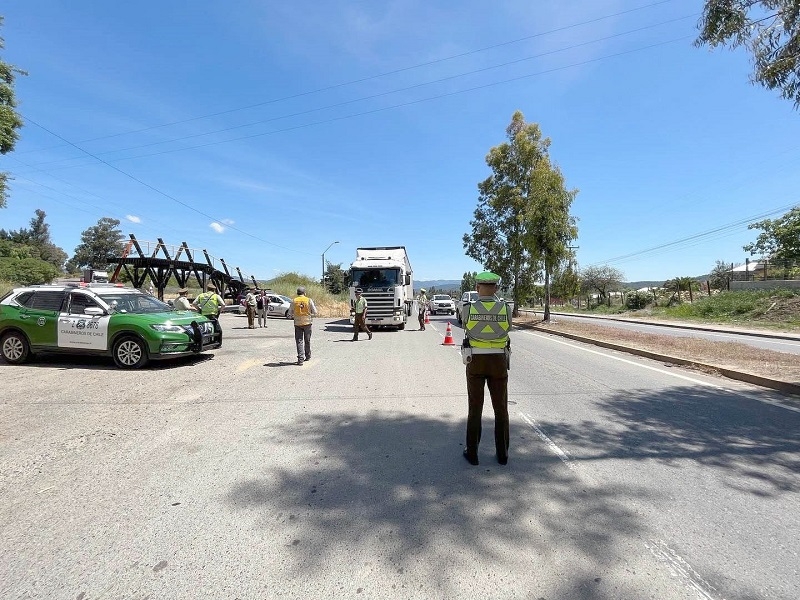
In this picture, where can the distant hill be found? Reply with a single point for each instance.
(439, 284)
(455, 284)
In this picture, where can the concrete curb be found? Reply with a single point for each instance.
(695, 327)
(784, 387)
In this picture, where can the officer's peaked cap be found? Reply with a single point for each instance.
(488, 277)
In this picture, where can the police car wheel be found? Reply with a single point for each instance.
(15, 348)
(129, 353)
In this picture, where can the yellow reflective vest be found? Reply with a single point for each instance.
(209, 303)
(302, 310)
(487, 324)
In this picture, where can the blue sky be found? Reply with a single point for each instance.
(265, 131)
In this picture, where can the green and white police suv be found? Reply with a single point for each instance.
(106, 319)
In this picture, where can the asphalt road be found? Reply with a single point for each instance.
(243, 475)
(768, 340)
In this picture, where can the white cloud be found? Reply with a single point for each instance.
(228, 221)
(133, 218)
(219, 228)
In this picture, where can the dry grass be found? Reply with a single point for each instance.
(730, 355)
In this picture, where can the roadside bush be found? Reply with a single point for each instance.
(637, 300)
(27, 271)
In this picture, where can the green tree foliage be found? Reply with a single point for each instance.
(566, 283)
(99, 244)
(522, 220)
(779, 238)
(720, 276)
(19, 266)
(769, 29)
(334, 278)
(37, 241)
(10, 121)
(602, 280)
(468, 281)
(551, 227)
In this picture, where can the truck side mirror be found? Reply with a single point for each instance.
(407, 280)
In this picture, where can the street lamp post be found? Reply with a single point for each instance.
(323, 262)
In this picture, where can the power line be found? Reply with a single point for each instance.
(164, 194)
(696, 237)
(391, 107)
(380, 75)
(387, 93)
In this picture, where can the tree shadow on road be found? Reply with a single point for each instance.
(755, 444)
(402, 480)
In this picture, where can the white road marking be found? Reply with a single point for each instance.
(681, 569)
(677, 566)
(561, 454)
(671, 373)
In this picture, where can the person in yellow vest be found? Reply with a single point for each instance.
(302, 311)
(486, 352)
(209, 304)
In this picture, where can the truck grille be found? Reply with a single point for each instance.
(380, 304)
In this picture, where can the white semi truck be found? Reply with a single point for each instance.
(387, 282)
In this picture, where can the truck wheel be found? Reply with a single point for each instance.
(129, 353)
(401, 327)
(15, 348)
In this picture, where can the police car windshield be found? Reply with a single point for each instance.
(134, 303)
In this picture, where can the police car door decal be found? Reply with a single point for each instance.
(89, 332)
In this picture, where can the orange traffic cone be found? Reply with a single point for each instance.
(427, 319)
(448, 337)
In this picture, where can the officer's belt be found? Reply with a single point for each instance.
(487, 350)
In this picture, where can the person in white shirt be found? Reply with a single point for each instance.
(182, 302)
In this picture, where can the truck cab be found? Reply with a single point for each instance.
(386, 280)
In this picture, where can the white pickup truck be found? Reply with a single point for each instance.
(441, 303)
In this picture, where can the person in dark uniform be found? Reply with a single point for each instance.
(486, 352)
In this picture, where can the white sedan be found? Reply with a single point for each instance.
(278, 306)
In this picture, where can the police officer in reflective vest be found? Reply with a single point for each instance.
(486, 352)
(209, 304)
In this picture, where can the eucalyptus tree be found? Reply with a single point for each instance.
(769, 29)
(551, 228)
(10, 120)
(521, 226)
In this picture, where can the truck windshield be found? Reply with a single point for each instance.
(374, 277)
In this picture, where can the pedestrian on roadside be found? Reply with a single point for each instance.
(250, 308)
(422, 306)
(262, 302)
(360, 316)
(182, 302)
(486, 351)
(302, 311)
(209, 304)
